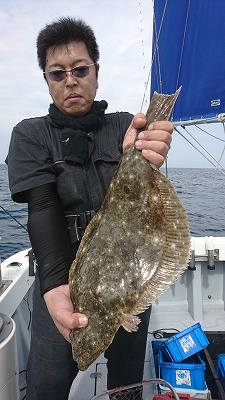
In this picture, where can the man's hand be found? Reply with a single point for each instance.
(153, 143)
(60, 308)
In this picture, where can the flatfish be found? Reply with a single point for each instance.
(133, 249)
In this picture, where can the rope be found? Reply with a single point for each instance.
(223, 146)
(155, 53)
(221, 169)
(210, 134)
(182, 49)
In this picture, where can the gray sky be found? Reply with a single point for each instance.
(124, 32)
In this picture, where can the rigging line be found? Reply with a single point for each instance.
(155, 52)
(7, 212)
(223, 146)
(142, 38)
(149, 74)
(201, 146)
(147, 82)
(221, 156)
(221, 170)
(143, 54)
(210, 134)
(146, 85)
(157, 36)
(182, 48)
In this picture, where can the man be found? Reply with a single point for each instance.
(61, 165)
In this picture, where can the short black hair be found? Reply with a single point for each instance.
(63, 31)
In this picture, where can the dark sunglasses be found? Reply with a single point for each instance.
(60, 74)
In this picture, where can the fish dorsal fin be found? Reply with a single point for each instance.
(143, 302)
(130, 323)
(176, 253)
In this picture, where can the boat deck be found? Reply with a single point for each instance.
(197, 296)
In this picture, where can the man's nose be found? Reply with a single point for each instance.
(70, 78)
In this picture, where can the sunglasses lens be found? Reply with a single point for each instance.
(80, 72)
(57, 75)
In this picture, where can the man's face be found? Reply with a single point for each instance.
(73, 96)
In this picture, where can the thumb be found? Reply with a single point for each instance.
(137, 123)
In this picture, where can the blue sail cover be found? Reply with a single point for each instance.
(189, 51)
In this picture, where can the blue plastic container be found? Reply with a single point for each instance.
(188, 375)
(221, 368)
(185, 343)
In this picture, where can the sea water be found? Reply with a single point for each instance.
(202, 191)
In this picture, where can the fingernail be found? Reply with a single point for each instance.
(141, 135)
(138, 144)
(82, 321)
(140, 119)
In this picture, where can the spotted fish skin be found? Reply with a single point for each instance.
(133, 250)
